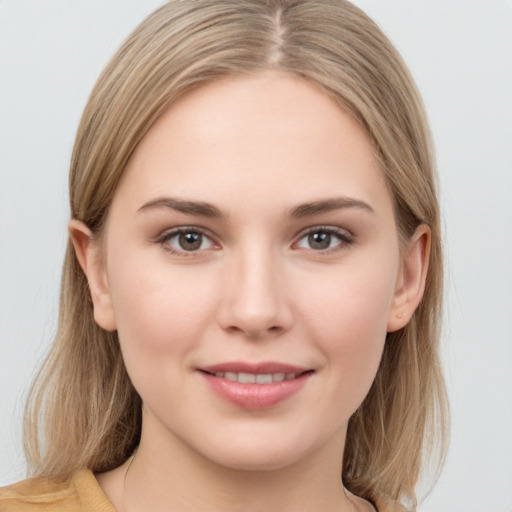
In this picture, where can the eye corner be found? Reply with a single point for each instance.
(173, 241)
(319, 239)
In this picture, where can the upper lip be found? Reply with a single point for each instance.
(254, 368)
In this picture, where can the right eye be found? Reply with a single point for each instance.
(181, 241)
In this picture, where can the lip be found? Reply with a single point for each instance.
(255, 396)
(264, 367)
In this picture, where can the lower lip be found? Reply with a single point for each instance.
(256, 396)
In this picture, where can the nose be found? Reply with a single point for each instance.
(255, 301)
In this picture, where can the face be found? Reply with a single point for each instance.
(251, 266)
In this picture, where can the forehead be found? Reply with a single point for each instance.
(271, 135)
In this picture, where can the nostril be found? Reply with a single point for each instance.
(254, 331)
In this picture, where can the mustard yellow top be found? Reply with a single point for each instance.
(81, 494)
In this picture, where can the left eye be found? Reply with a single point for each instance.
(323, 239)
(187, 241)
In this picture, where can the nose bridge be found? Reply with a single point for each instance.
(255, 301)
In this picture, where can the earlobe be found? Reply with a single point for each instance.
(411, 280)
(88, 254)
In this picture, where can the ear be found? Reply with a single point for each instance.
(411, 279)
(88, 253)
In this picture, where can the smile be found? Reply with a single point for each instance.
(253, 378)
(253, 387)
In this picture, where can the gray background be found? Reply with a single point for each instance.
(460, 53)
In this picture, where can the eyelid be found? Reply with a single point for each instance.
(346, 237)
(170, 233)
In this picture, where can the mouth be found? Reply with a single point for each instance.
(257, 378)
(251, 386)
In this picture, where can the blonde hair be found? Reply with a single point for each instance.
(83, 411)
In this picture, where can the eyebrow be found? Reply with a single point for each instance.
(199, 208)
(328, 205)
(203, 209)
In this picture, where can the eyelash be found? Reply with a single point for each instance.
(167, 236)
(345, 238)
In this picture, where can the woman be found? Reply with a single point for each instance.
(252, 288)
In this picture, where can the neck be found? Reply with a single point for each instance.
(166, 476)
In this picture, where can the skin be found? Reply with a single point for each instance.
(258, 288)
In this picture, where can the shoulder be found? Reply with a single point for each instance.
(78, 494)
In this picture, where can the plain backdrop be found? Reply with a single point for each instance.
(460, 53)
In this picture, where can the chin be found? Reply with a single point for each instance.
(257, 460)
(268, 451)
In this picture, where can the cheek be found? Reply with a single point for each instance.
(159, 312)
(348, 318)
(352, 301)
(161, 320)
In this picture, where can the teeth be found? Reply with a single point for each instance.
(246, 378)
(264, 378)
(231, 376)
(251, 378)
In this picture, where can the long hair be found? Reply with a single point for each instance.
(83, 411)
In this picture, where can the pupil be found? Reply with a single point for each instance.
(190, 241)
(320, 240)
